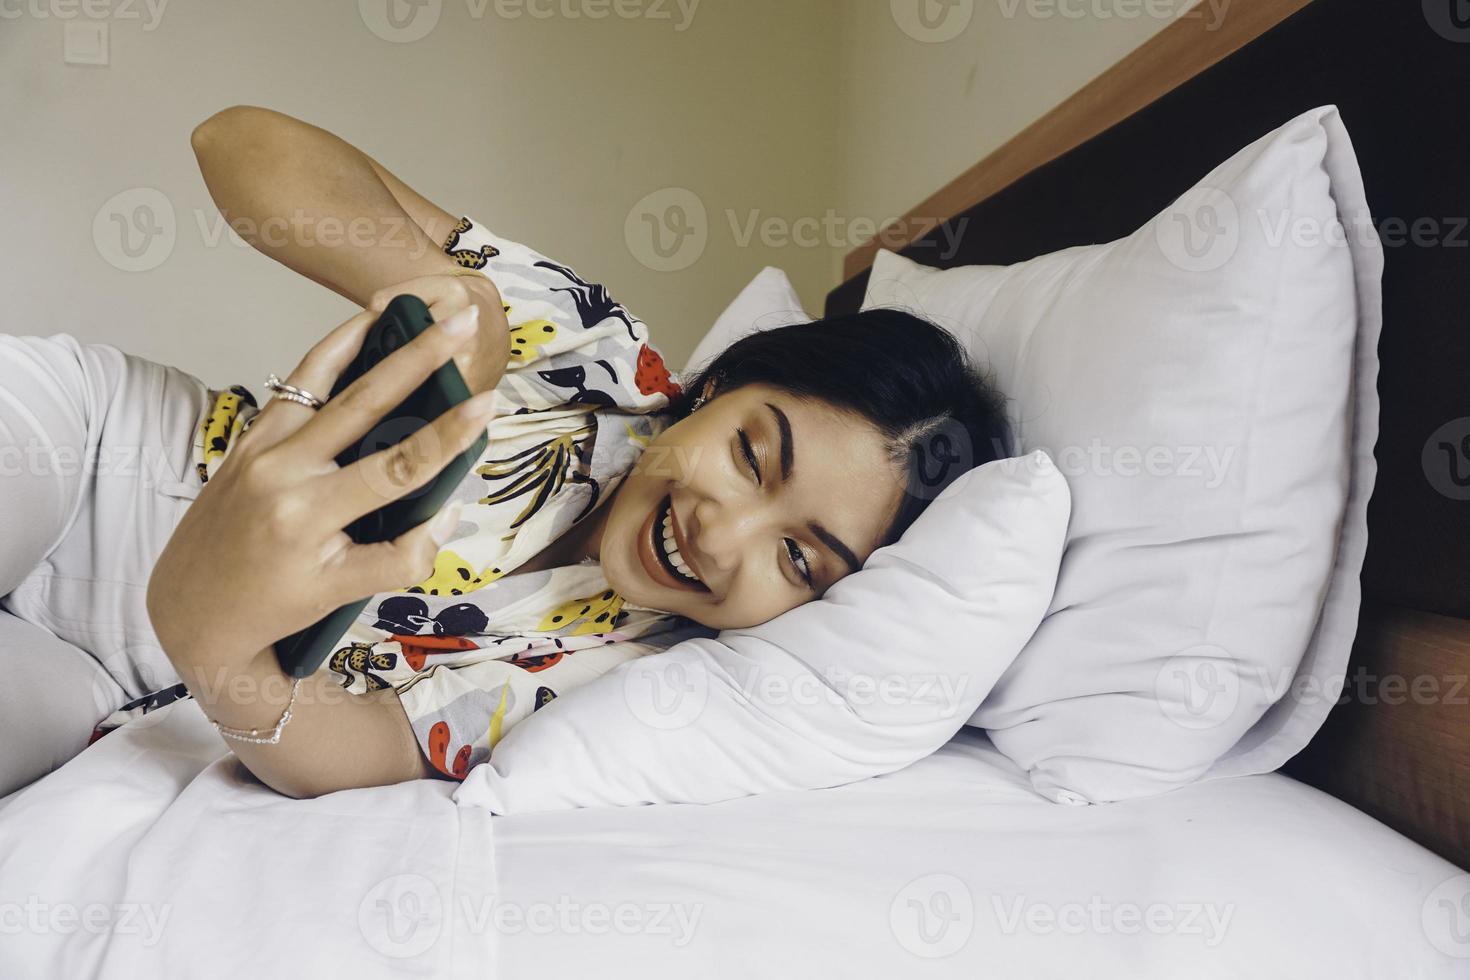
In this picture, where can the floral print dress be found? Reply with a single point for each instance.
(477, 647)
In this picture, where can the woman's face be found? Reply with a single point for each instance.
(759, 489)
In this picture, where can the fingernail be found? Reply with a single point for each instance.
(445, 522)
(463, 322)
(480, 407)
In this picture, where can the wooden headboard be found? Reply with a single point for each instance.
(1397, 745)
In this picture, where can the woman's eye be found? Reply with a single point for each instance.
(799, 562)
(749, 455)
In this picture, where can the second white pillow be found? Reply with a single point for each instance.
(1207, 386)
(767, 301)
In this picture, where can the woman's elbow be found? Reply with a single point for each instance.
(231, 126)
(297, 785)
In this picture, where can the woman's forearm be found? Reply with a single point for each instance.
(317, 204)
(334, 740)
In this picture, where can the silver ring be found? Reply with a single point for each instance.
(292, 393)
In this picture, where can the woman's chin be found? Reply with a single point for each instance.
(630, 583)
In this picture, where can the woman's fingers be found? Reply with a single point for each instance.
(364, 403)
(391, 473)
(317, 373)
(408, 559)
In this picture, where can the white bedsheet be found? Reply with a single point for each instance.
(154, 855)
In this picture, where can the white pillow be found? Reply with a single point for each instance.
(768, 301)
(1211, 400)
(875, 675)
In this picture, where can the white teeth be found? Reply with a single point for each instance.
(671, 549)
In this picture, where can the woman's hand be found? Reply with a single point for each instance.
(261, 553)
(481, 361)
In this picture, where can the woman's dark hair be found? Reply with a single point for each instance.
(908, 378)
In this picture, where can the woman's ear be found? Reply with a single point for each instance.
(705, 394)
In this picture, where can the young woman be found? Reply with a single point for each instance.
(614, 512)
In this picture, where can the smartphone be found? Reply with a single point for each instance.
(404, 318)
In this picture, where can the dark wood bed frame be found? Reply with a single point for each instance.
(1397, 745)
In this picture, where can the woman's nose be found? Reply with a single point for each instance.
(716, 535)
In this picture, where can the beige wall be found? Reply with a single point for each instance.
(922, 102)
(783, 120)
(549, 129)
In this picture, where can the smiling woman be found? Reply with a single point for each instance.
(614, 512)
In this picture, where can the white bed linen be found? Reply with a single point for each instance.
(1251, 877)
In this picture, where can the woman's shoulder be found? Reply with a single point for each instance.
(572, 342)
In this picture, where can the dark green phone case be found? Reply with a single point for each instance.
(405, 317)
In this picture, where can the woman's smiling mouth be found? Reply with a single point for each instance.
(658, 551)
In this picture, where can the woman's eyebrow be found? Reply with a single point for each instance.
(788, 453)
(832, 541)
(788, 463)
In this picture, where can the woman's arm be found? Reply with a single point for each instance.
(317, 204)
(335, 739)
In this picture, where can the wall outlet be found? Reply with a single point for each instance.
(86, 42)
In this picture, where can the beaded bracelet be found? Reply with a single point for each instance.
(253, 735)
